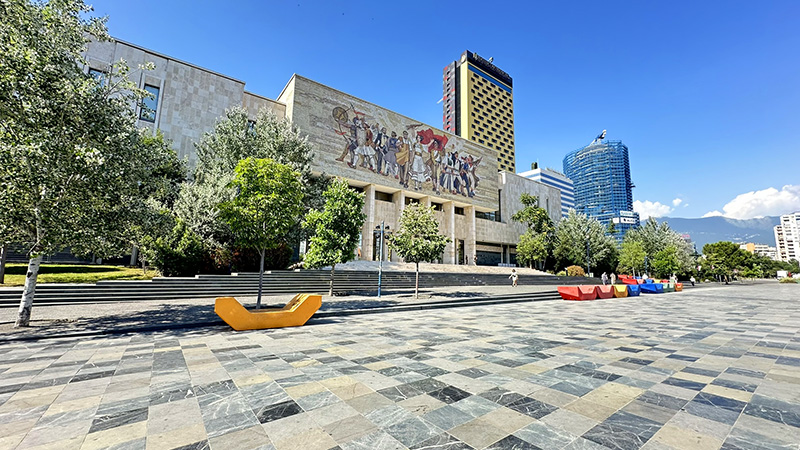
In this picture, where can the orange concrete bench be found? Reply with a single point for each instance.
(577, 292)
(296, 313)
(604, 291)
(620, 290)
(678, 287)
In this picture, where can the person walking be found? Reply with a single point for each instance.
(613, 278)
(513, 277)
(692, 280)
(604, 278)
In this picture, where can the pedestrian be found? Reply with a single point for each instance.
(613, 278)
(604, 278)
(692, 280)
(513, 277)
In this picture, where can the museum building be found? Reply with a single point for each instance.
(393, 159)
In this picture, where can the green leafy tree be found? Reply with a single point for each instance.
(531, 248)
(234, 138)
(418, 238)
(631, 257)
(665, 262)
(656, 237)
(725, 257)
(267, 203)
(336, 228)
(75, 169)
(575, 233)
(537, 242)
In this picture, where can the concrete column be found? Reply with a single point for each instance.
(399, 200)
(425, 201)
(470, 247)
(450, 231)
(369, 222)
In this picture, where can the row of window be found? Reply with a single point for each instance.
(149, 105)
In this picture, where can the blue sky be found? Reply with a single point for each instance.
(704, 94)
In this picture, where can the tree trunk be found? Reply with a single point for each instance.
(3, 255)
(260, 278)
(416, 284)
(26, 303)
(330, 291)
(134, 255)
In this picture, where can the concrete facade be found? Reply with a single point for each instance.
(473, 202)
(787, 237)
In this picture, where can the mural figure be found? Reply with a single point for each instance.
(418, 155)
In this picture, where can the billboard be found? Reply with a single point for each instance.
(358, 140)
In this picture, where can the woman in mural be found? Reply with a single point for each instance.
(435, 146)
(418, 169)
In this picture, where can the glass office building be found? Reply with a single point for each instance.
(601, 176)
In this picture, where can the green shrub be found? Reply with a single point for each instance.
(788, 280)
(562, 273)
(181, 253)
(247, 260)
(575, 271)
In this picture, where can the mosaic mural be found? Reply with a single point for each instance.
(361, 141)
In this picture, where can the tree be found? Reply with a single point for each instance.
(725, 257)
(234, 138)
(267, 203)
(665, 262)
(577, 235)
(656, 237)
(74, 165)
(537, 242)
(418, 238)
(631, 257)
(531, 248)
(336, 228)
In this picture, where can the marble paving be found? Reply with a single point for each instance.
(704, 369)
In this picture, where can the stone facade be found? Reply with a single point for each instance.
(191, 99)
(473, 202)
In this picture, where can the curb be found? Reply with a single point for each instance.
(480, 301)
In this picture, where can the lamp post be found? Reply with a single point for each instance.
(381, 231)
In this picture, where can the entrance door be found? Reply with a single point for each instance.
(461, 252)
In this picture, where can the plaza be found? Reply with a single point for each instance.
(712, 367)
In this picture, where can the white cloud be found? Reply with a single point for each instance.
(766, 202)
(648, 209)
(712, 214)
(677, 202)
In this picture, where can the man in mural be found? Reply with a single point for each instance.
(468, 176)
(352, 137)
(449, 172)
(403, 158)
(380, 143)
(365, 149)
(434, 145)
(390, 159)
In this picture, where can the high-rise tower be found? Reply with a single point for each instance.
(601, 175)
(479, 105)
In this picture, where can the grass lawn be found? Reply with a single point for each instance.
(73, 273)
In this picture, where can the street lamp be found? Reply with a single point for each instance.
(382, 231)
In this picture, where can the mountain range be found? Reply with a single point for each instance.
(714, 229)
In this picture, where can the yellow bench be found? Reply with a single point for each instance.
(620, 290)
(296, 313)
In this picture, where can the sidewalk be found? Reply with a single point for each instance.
(103, 318)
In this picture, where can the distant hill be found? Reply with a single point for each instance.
(715, 229)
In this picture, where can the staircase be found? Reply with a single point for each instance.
(275, 283)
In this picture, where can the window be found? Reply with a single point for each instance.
(437, 206)
(383, 196)
(411, 200)
(459, 210)
(99, 75)
(149, 104)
